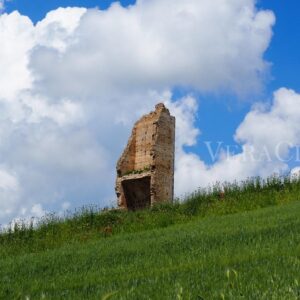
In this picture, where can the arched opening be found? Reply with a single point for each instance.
(137, 193)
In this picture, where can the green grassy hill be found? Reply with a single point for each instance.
(244, 245)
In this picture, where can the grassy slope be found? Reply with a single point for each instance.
(247, 255)
(90, 223)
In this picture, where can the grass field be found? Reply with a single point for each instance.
(243, 246)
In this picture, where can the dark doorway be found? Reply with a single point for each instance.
(137, 193)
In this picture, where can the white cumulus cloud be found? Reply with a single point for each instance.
(267, 137)
(72, 85)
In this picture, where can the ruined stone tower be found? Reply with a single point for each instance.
(145, 171)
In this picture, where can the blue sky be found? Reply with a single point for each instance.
(63, 115)
(38, 9)
(284, 49)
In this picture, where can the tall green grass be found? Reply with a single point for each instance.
(92, 223)
(247, 255)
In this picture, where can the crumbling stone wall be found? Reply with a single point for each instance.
(145, 171)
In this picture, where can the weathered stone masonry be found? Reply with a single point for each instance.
(145, 171)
